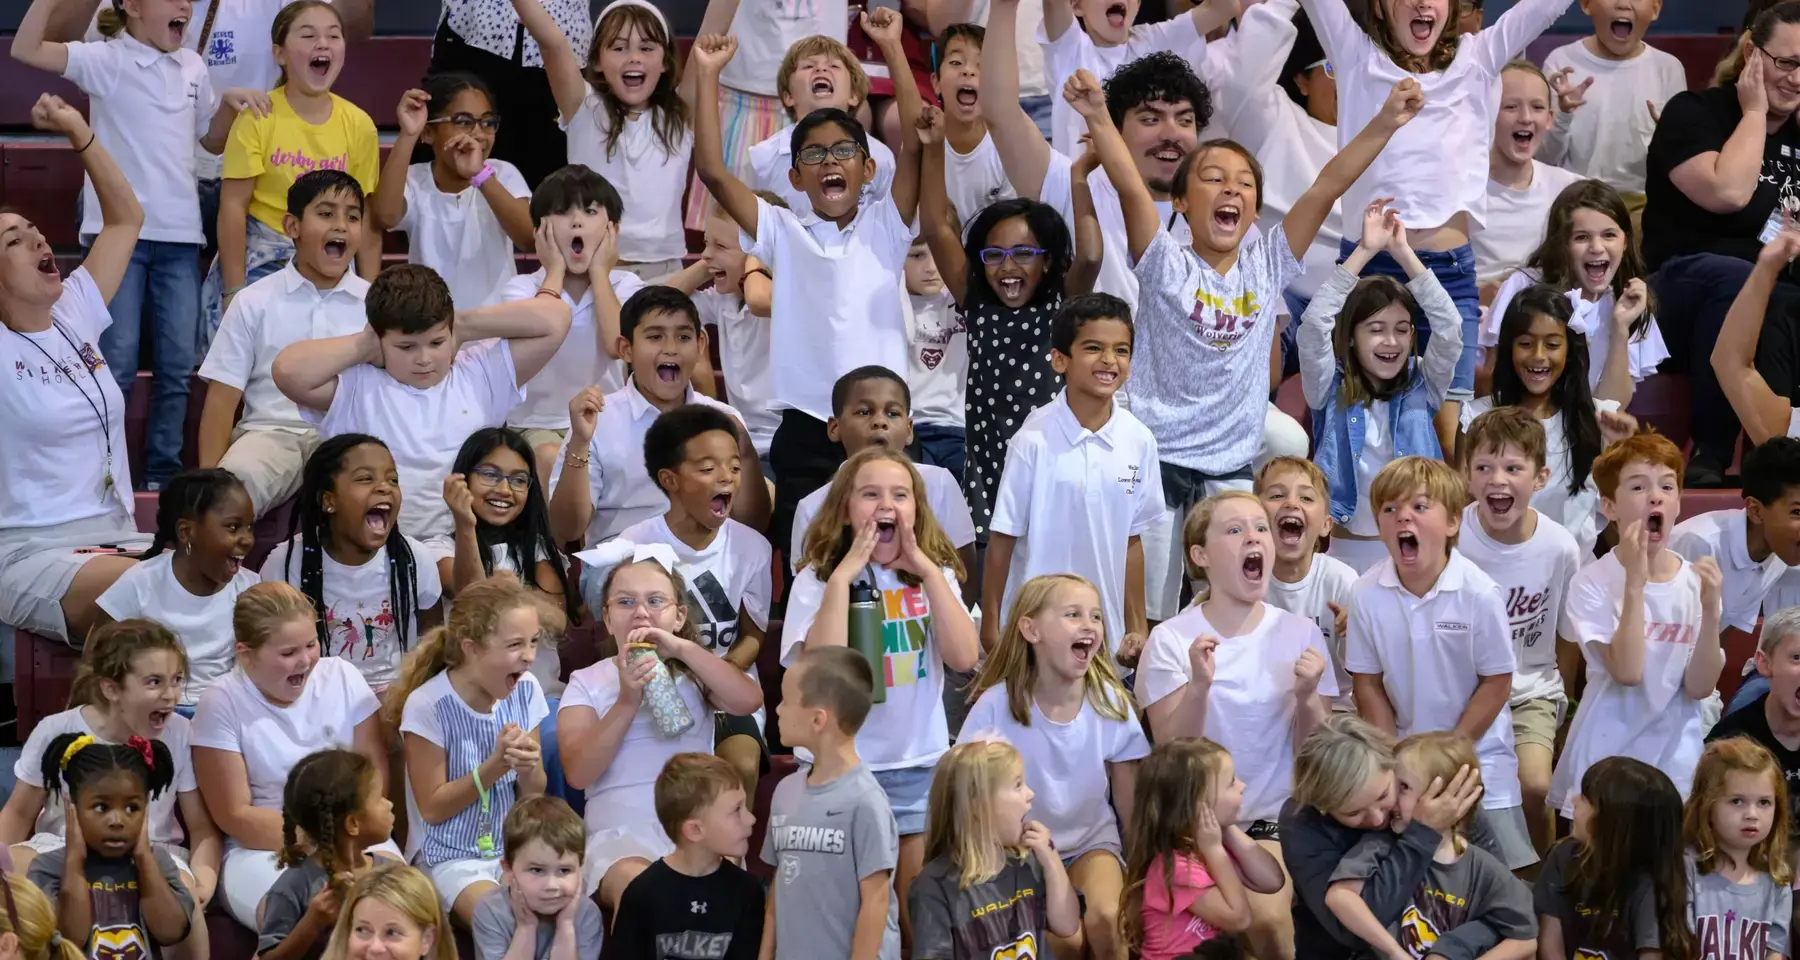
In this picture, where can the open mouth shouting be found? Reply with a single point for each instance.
(337, 248)
(1083, 647)
(967, 96)
(512, 680)
(1011, 290)
(1290, 529)
(1253, 566)
(1621, 28)
(48, 264)
(668, 372)
(1226, 217)
(833, 185)
(1423, 27)
(1596, 271)
(721, 505)
(1408, 542)
(576, 246)
(379, 519)
(296, 682)
(822, 87)
(233, 563)
(177, 30)
(1654, 525)
(320, 67)
(159, 720)
(1116, 14)
(885, 530)
(632, 80)
(1500, 505)
(1524, 140)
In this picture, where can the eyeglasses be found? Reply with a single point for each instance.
(655, 601)
(463, 123)
(1326, 64)
(1781, 65)
(1021, 255)
(843, 151)
(493, 478)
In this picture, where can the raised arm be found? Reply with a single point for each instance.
(1764, 412)
(1724, 181)
(934, 208)
(562, 65)
(534, 327)
(1624, 656)
(1309, 212)
(29, 45)
(1141, 219)
(571, 502)
(388, 207)
(1024, 153)
(715, 21)
(1088, 243)
(1615, 369)
(1707, 661)
(120, 215)
(1318, 353)
(883, 27)
(306, 371)
(1249, 97)
(709, 55)
(1524, 22)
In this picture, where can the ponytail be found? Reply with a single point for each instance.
(475, 615)
(74, 759)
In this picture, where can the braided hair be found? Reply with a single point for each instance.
(323, 790)
(314, 526)
(75, 759)
(191, 495)
(527, 539)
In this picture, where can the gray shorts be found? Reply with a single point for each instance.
(1512, 839)
(37, 565)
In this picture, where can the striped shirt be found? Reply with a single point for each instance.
(436, 713)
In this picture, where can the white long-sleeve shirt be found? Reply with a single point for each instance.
(1436, 166)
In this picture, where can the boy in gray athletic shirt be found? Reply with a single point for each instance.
(832, 838)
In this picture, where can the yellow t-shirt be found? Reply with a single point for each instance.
(278, 149)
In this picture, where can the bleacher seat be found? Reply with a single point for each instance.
(43, 673)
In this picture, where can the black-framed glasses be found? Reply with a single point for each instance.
(463, 123)
(842, 151)
(1782, 65)
(1022, 255)
(518, 481)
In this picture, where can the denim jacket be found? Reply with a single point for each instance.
(1338, 430)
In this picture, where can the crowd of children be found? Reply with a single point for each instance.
(1072, 662)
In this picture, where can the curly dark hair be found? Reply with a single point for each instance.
(1160, 76)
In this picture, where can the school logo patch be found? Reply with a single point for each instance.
(1583, 953)
(221, 48)
(118, 943)
(1416, 933)
(931, 358)
(1024, 948)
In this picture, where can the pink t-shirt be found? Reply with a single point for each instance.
(1169, 929)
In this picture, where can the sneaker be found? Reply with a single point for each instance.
(153, 486)
(1703, 473)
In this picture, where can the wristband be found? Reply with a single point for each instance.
(762, 270)
(482, 176)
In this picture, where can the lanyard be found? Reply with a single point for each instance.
(102, 411)
(484, 822)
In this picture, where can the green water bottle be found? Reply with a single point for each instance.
(865, 633)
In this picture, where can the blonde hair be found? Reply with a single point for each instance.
(1721, 759)
(959, 823)
(1314, 475)
(1337, 760)
(1526, 66)
(1401, 478)
(817, 46)
(1014, 660)
(475, 615)
(30, 917)
(1440, 753)
(405, 889)
(1199, 519)
(266, 607)
(829, 536)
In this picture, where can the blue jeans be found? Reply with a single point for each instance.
(165, 277)
(941, 445)
(1290, 336)
(555, 784)
(1455, 269)
(1038, 109)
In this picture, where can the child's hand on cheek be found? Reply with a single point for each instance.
(461, 501)
(550, 252)
(140, 850)
(73, 841)
(1208, 835)
(465, 155)
(524, 918)
(606, 257)
(861, 549)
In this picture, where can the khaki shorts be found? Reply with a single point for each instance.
(269, 463)
(1536, 721)
(538, 436)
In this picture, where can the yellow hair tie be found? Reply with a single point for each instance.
(85, 740)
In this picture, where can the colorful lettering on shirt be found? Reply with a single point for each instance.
(906, 625)
(1221, 323)
(300, 161)
(1527, 611)
(1024, 893)
(1731, 937)
(1678, 633)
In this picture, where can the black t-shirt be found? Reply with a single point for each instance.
(667, 915)
(1753, 722)
(1005, 917)
(1635, 931)
(1696, 122)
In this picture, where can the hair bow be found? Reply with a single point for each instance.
(1581, 314)
(603, 558)
(81, 743)
(142, 746)
(646, 4)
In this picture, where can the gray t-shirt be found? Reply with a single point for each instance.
(493, 928)
(1636, 930)
(1004, 916)
(1737, 919)
(822, 841)
(286, 903)
(1476, 887)
(119, 929)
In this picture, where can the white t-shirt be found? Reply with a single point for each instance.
(1075, 50)
(149, 109)
(268, 315)
(1203, 344)
(1608, 137)
(237, 54)
(1578, 513)
(743, 339)
(1643, 354)
(1515, 221)
(639, 167)
(618, 485)
(1329, 580)
(424, 429)
(458, 234)
(1250, 707)
(766, 29)
(150, 590)
(731, 576)
(1377, 453)
(908, 729)
(1032, 82)
(943, 493)
(436, 713)
(1432, 652)
(1435, 166)
(976, 179)
(1721, 534)
(1654, 721)
(580, 362)
(63, 423)
(937, 359)
(1532, 575)
(235, 717)
(772, 159)
(625, 793)
(164, 827)
(359, 612)
(1074, 498)
(836, 300)
(1066, 765)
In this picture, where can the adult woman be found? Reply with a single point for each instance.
(66, 514)
(1344, 786)
(1719, 174)
(287, 702)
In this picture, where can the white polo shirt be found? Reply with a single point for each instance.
(459, 235)
(149, 109)
(1431, 653)
(280, 309)
(580, 362)
(1722, 535)
(1074, 497)
(618, 485)
(743, 339)
(836, 300)
(771, 160)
